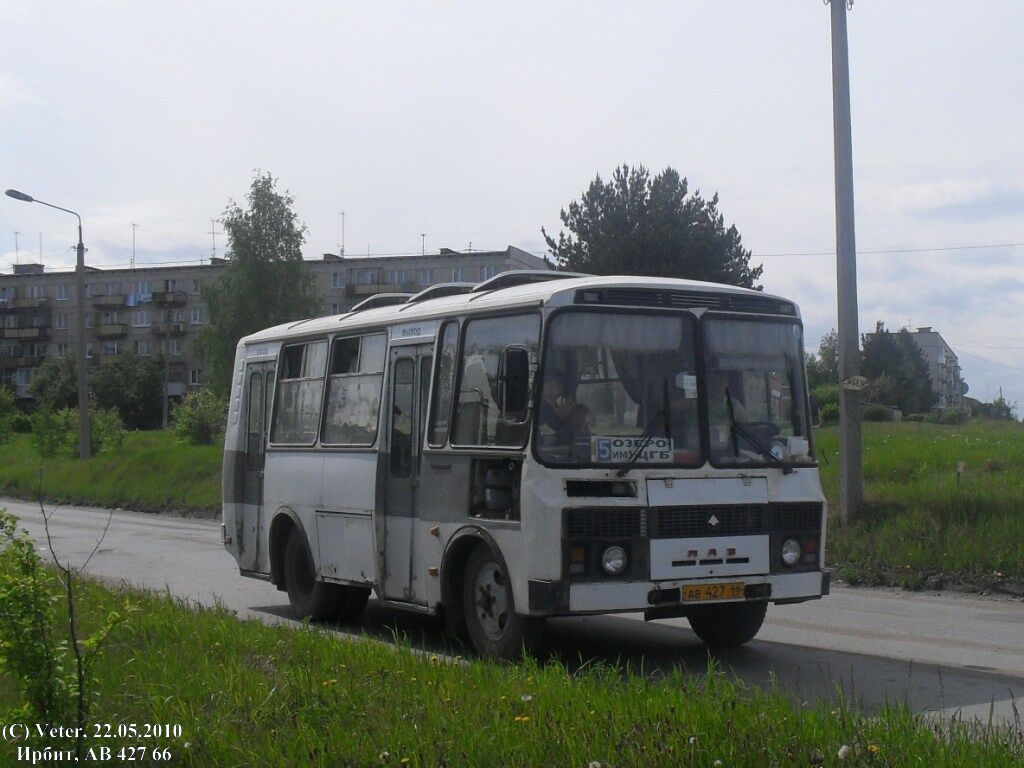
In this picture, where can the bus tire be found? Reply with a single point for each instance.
(310, 598)
(495, 630)
(726, 625)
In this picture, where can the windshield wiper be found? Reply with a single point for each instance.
(735, 428)
(648, 434)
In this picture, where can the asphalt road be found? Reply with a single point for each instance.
(942, 653)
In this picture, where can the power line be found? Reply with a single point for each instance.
(898, 250)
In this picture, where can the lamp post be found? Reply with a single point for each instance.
(84, 448)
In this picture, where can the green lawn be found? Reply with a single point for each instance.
(246, 694)
(921, 527)
(153, 472)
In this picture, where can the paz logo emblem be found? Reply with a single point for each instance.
(713, 521)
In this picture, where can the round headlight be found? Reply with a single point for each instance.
(614, 561)
(791, 552)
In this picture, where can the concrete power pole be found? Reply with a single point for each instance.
(850, 484)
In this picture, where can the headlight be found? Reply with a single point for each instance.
(614, 561)
(790, 552)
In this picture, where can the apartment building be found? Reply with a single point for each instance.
(149, 310)
(943, 368)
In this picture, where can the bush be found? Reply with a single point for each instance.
(830, 413)
(55, 433)
(200, 417)
(948, 416)
(877, 413)
(8, 410)
(22, 423)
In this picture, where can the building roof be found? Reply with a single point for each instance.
(549, 292)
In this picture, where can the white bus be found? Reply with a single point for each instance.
(541, 444)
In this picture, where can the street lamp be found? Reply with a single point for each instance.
(84, 448)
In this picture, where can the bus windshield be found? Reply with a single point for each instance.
(755, 395)
(619, 386)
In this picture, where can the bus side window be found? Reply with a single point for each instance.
(352, 404)
(299, 394)
(479, 421)
(444, 382)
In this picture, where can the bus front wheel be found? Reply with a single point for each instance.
(495, 629)
(726, 625)
(314, 599)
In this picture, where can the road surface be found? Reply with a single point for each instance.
(941, 653)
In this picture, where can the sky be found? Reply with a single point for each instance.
(477, 123)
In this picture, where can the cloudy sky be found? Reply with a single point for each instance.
(476, 124)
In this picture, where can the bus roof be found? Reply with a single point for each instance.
(551, 291)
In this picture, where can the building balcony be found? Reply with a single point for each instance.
(168, 329)
(110, 301)
(112, 330)
(169, 298)
(15, 304)
(35, 333)
(375, 288)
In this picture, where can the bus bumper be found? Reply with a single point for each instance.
(553, 598)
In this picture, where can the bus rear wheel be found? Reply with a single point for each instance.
(726, 625)
(314, 599)
(495, 630)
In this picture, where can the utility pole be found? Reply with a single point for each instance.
(134, 227)
(423, 244)
(213, 237)
(341, 246)
(850, 481)
(17, 250)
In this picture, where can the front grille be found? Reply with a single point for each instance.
(603, 523)
(678, 299)
(803, 517)
(694, 522)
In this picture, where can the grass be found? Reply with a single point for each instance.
(247, 694)
(152, 472)
(921, 526)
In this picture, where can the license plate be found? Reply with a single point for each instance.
(697, 592)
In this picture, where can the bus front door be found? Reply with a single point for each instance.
(259, 378)
(409, 380)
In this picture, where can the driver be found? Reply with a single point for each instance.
(561, 413)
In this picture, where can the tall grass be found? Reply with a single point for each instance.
(247, 694)
(152, 472)
(922, 524)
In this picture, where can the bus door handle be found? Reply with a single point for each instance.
(441, 467)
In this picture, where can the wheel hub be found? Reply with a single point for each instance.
(492, 605)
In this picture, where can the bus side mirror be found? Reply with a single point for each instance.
(514, 378)
(815, 412)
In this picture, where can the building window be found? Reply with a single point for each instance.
(193, 377)
(366, 277)
(335, 309)
(197, 316)
(171, 285)
(140, 318)
(88, 290)
(37, 292)
(62, 292)
(111, 348)
(142, 287)
(88, 319)
(113, 289)
(142, 347)
(460, 274)
(62, 321)
(197, 287)
(426, 276)
(63, 349)
(175, 346)
(10, 321)
(39, 350)
(88, 349)
(110, 317)
(489, 271)
(337, 280)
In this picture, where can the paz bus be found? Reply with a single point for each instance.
(538, 444)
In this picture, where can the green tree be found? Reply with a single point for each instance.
(54, 383)
(897, 357)
(639, 225)
(133, 386)
(8, 410)
(823, 367)
(265, 282)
